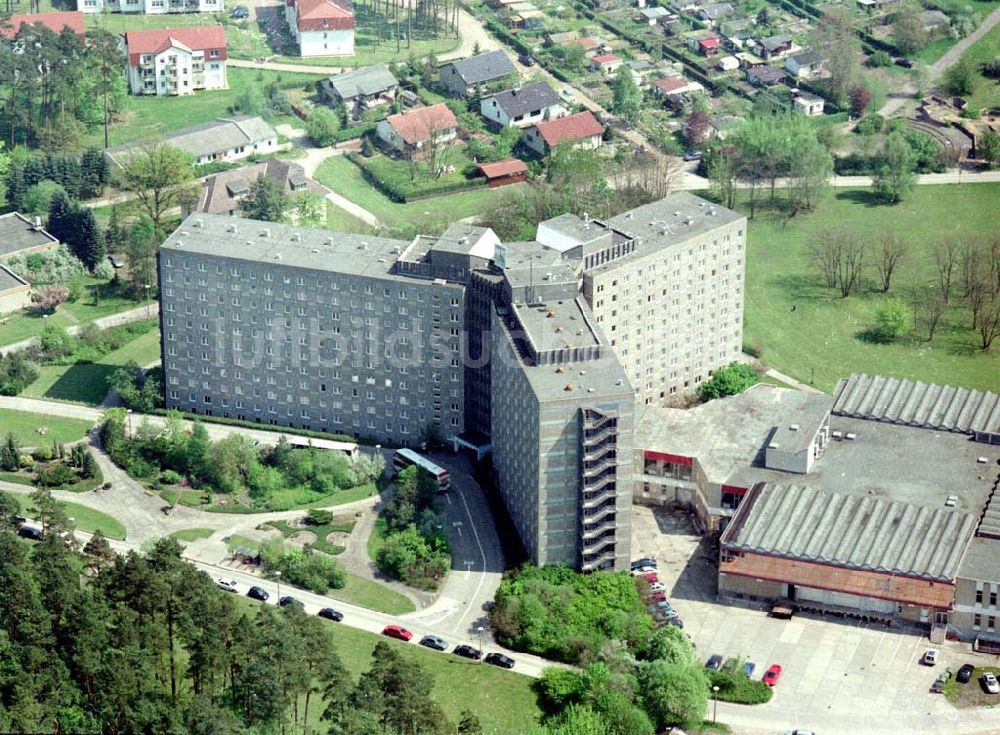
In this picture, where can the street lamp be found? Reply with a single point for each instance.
(129, 412)
(479, 629)
(277, 576)
(715, 703)
(148, 302)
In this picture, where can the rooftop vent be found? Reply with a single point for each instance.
(199, 223)
(296, 237)
(266, 232)
(793, 427)
(628, 215)
(951, 502)
(184, 233)
(701, 204)
(277, 256)
(838, 435)
(773, 445)
(590, 390)
(37, 223)
(982, 460)
(550, 314)
(314, 251)
(231, 228)
(559, 370)
(568, 388)
(583, 372)
(677, 213)
(850, 436)
(618, 382)
(329, 241)
(711, 212)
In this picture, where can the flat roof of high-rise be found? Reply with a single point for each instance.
(252, 241)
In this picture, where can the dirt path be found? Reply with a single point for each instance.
(904, 94)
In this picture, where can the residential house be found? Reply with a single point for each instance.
(749, 61)
(591, 45)
(805, 65)
(502, 173)
(360, 89)
(714, 12)
(226, 139)
(467, 77)
(765, 76)
(525, 16)
(581, 130)
(685, 6)
(15, 292)
(222, 192)
(673, 87)
(22, 236)
(640, 70)
(705, 43)
(321, 27)
(607, 63)
(150, 7)
(411, 133)
(651, 16)
(176, 61)
(775, 47)
(521, 107)
(55, 22)
(728, 63)
(807, 103)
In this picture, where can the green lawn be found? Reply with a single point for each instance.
(366, 52)
(22, 425)
(971, 694)
(823, 331)
(279, 500)
(151, 117)
(192, 534)
(503, 700)
(343, 525)
(340, 220)
(429, 216)
(987, 91)
(934, 50)
(95, 301)
(374, 596)
(84, 518)
(410, 181)
(86, 382)
(377, 538)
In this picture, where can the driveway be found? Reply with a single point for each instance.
(839, 676)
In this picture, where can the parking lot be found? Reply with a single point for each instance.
(840, 676)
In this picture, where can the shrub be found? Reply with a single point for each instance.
(42, 454)
(737, 687)
(55, 475)
(46, 299)
(302, 567)
(728, 381)
(52, 266)
(879, 59)
(891, 318)
(322, 126)
(170, 477)
(16, 373)
(870, 124)
(317, 517)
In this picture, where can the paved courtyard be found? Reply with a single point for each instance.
(840, 676)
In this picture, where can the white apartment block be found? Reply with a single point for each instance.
(176, 61)
(321, 27)
(150, 7)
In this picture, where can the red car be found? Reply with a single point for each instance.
(772, 675)
(651, 577)
(658, 597)
(398, 632)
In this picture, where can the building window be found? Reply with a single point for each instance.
(977, 621)
(991, 623)
(993, 598)
(979, 597)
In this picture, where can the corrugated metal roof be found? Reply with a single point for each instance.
(860, 532)
(914, 403)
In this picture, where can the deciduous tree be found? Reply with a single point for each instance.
(266, 201)
(894, 174)
(157, 176)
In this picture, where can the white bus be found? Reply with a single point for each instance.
(404, 458)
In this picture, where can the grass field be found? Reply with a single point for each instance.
(341, 525)
(192, 534)
(429, 216)
(374, 596)
(279, 500)
(151, 117)
(84, 518)
(823, 332)
(22, 425)
(972, 694)
(987, 91)
(94, 303)
(366, 52)
(86, 382)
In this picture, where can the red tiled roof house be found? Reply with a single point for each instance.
(607, 63)
(581, 130)
(321, 27)
(55, 22)
(411, 133)
(176, 61)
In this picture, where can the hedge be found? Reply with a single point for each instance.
(738, 688)
(355, 131)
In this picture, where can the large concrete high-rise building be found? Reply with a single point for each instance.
(537, 351)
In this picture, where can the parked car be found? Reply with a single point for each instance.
(965, 674)
(289, 600)
(30, 532)
(800, 732)
(748, 668)
(658, 597)
(773, 675)
(642, 571)
(398, 632)
(498, 659)
(567, 94)
(330, 614)
(644, 562)
(651, 577)
(240, 12)
(693, 156)
(658, 587)
(929, 657)
(905, 63)
(435, 642)
(115, 261)
(990, 683)
(526, 60)
(676, 621)
(714, 662)
(258, 593)
(226, 583)
(466, 651)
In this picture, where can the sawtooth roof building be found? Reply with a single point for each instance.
(878, 502)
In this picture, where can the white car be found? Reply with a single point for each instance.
(643, 570)
(229, 585)
(990, 680)
(658, 587)
(930, 657)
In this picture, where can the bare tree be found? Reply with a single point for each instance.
(826, 254)
(840, 259)
(946, 254)
(649, 174)
(988, 325)
(887, 251)
(852, 266)
(928, 308)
